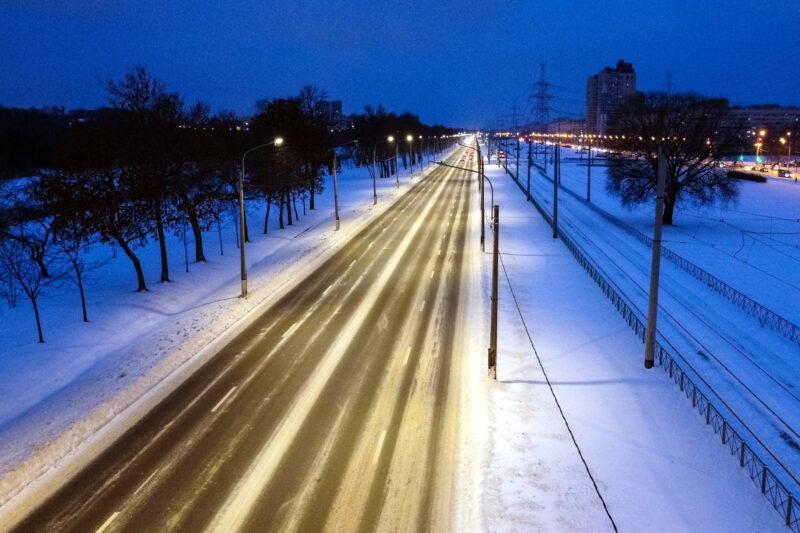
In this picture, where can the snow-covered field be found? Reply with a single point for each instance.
(656, 465)
(752, 244)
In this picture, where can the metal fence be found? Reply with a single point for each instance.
(782, 500)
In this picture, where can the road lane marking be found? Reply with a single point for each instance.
(422, 307)
(379, 448)
(408, 354)
(145, 482)
(223, 399)
(108, 522)
(439, 252)
(325, 292)
(432, 273)
(291, 329)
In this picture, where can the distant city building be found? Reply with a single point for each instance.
(331, 112)
(605, 91)
(771, 117)
(567, 125)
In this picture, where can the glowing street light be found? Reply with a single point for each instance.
(277, 142)
(789, 145)
(396, 168)
(410, 139)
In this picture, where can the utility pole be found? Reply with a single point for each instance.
(374, 172)
(483, 211)
(335, 191)
(589, 175)
(544, 145)
(529, 169)
(555, 189)
(655, 264)
(493, 327)
(396, 168)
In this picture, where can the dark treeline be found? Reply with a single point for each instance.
(149, 165)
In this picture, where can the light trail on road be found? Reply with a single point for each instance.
(336, 410)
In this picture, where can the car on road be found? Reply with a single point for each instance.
(784, 173)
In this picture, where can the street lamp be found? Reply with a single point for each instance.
(410, 139)
(335, 185)
(396, 168)
(277, 142)
(789, 155)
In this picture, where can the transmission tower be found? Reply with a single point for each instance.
(541, 96)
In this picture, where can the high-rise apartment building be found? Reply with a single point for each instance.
(331, 112)
(605, 91)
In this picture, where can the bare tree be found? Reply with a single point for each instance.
(687, 128)
(73, 241)
(17, 265)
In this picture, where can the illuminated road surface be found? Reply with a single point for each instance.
(337, 410)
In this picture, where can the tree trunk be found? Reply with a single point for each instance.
(280, 211)
(266, 217)
(80, 289)
(38, 321)
(294, 205)
(136, 264)
(311, 196)
(162, 244)
(669, 208)
(191, 210)
(219, 231)
(288, 209)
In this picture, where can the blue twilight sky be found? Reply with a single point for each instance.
(461, 63)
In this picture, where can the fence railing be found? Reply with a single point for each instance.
(776, 493)
(765, 316)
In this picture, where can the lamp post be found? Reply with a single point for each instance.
(277, 142)
(789, 155)
(374, 171)
(335, 184)
(481, 177)
(410, 139)
(760, 143)
(396, 168)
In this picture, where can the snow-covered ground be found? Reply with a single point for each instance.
(655, 462)
(752, 244)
